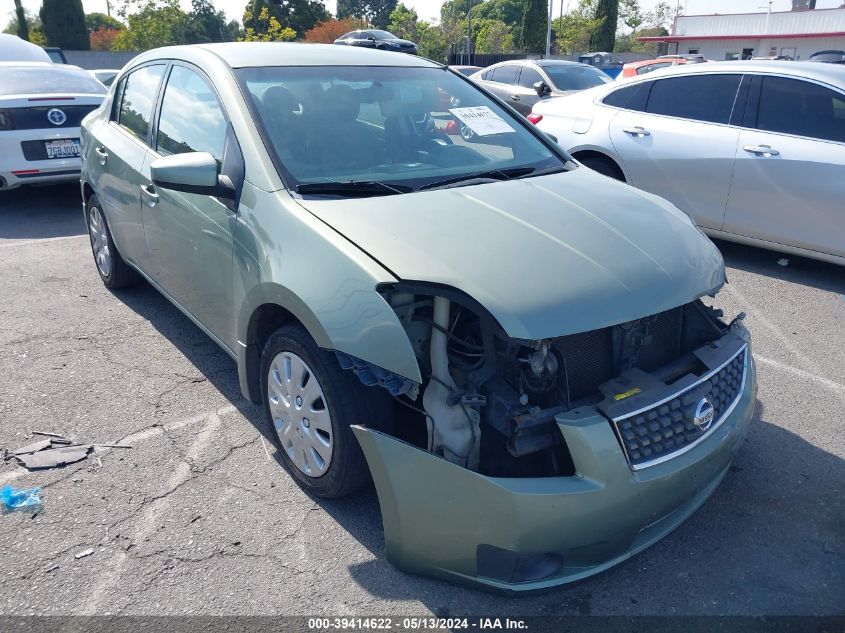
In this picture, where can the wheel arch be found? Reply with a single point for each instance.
(590, 151)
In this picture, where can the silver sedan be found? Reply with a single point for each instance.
(754, 152)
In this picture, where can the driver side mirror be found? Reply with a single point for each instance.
(542, 89)
(193, 172)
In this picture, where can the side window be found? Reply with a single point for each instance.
(799, 107)
(698, 97)
(631, 97)
(191, 117)
(137, 98)
(505, 74)
(528, 77)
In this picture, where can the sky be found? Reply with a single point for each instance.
(428, 9)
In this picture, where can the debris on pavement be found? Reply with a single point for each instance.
(84, 553)
(25, 499)
(54, 457)
(54, 451)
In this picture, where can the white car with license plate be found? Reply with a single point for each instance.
(754, 152)
(41, 107)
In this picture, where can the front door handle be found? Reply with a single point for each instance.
(102, 155)
(637, 131)
(148, 193)
(514, 97)
(761, 150)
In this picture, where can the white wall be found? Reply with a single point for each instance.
(804, 47)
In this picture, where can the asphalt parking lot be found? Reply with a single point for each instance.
(200, 518)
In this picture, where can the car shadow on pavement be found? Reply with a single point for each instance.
(771, 540)
(31, 212)
(798, 270)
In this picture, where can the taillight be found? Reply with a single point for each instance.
(6, 122)
(535, 118)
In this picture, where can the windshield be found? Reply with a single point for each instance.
(571, 77)
(382, 35)
(397, 125)
(32, 80)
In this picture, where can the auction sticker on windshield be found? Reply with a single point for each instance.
(482, 120)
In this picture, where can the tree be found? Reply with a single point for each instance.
(207, 24)
(103, 38)
(328, 31)
(403, 23)
(64, 24)
(266, 28)
(373, 12)
(22, 26)
(494, 36)
(299, 15)
(151, 23)
(96, 21)
(534, 25)
(604, 38)
(663, 15)
(573, 30)
(432, 42)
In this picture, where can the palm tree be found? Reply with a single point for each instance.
(23, 28)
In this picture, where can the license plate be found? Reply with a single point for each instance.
(66, 148)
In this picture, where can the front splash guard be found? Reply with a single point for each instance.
(441, 519)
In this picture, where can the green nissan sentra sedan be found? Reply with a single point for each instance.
(513, 347)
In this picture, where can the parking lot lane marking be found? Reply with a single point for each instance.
(152, 516)
(795, 371)
(43, 240)
(266, 452)
(814, 369)
(138, 437)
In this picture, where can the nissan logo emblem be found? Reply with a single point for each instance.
(704, 413)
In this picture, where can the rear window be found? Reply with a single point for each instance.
(566, 77)
(35, 80)
(707, 98)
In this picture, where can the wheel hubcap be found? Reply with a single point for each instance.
(300, 415)
(99, 241)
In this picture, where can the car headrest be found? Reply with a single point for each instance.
(278, 100)
(408, 100)
(342, 103)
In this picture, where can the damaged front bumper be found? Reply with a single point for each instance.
(523, 534)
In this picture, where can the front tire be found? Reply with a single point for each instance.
(310, 402)
(113, 270)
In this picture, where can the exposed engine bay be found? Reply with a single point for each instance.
(488, 402)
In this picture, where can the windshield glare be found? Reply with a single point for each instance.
(31, 80)
(399, 125)
(571, 77)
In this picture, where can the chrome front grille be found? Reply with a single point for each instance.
(668, 428)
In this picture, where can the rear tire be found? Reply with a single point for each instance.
(604, 166)
(310, 402)
(114, 272)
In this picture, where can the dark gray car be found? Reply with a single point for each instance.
(522, 83)
(374, 38)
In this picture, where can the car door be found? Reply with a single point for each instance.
(677, 139)
(501, 81)
(119, 148)
(189, 235)
(525, 96)
(789, 179)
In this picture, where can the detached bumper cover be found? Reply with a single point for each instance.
(517, 535)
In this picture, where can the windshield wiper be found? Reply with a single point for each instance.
(493, 174)
(352, 188)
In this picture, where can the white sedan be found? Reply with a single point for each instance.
(754, 152)
(41, 107)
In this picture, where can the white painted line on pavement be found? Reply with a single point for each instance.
(151, 517)
(795, 371)
(43, 240)
(138, 437)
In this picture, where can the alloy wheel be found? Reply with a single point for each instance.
(99, 241)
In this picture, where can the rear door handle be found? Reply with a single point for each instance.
(102, 155)
(761, 150)
(637, 131)
(148, 193)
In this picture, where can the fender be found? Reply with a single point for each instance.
(321, 279)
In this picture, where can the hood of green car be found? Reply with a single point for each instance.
(547, 256)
